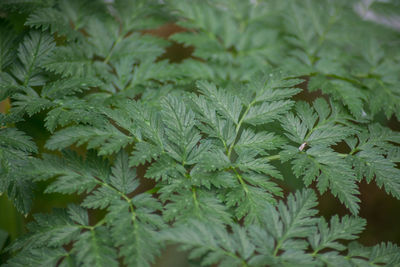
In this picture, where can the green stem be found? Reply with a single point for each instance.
(131, 207)
(355, 82)
(91, 228)
(94, 242)
(241, 180)
(278, 246)
(352, 152)
(315, 252)
(196, 203)
(194, 195)
(273, 157)
(238, 127)
(227, 253)
(112, 49)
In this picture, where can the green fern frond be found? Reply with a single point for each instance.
(198, 150)
(32, 52)
(16, 150)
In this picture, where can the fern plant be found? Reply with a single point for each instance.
(218, 134)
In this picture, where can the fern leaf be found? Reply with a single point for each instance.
(293, 221)
(267, 112)
(73, 60)
(370, 159)
(32, 52)
(230, 106)
(31, 103)
(66, 87)
(107, 138)
(72, 110)
(93, 248)
(122, 177)
(342, 91)
(7, 51)
(15, 158)
(184, 207)
(140, 14)
(212, 243)
(250, 140)
(331, 171)
(133, 233)
(248, 201)
(328, 130)
(73, 175)
(39, 256)
(18, 140)
(50, 18)
(49, 230)
(347, 229)
(8, 85)
(180, 131)
(144, 152)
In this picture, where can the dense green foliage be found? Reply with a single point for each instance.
(213, 132)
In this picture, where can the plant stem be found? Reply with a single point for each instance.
(238, 127)
(112, 49)
(273, 157)
(196, 203)
(241, 180)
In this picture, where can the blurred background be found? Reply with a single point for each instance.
(381, 211)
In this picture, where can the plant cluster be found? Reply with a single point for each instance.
(213, 132)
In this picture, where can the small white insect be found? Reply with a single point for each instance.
(303, 145)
